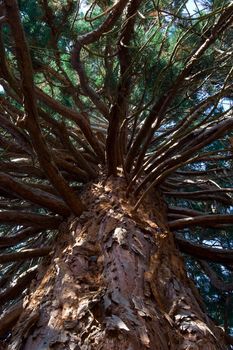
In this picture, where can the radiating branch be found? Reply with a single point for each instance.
(222, 256)
(203, 220)
(34, 195)
(214, 278)
(25, 254)
(22, 282)
(30, 120)
(15, 217)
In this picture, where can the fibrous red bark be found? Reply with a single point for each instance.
(116, 281)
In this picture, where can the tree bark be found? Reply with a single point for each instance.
(116, 281)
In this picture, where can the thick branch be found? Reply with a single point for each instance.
(204, 195)
(21, 235)
(202, 192)
(10, 316)
(11, 146)
(21, 168)
(214, 279)
(204, 220)
(184, 211)
(13, 291)
(25, 254)
(222, 256)
(34, 195)
(15, 217)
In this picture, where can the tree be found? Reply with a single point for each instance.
(116, 158)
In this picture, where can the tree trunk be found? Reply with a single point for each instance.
(116, 281)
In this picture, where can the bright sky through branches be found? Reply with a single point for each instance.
(193, 6)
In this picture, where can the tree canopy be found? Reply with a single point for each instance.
(140, 89)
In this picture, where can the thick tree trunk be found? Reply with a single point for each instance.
(116, 281)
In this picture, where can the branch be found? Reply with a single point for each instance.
(204, 195)
(76, 117)
(28, 219)
(11, 240)
(19, 136)
(31, 118)
(184, 211)
(10, 271)
(33, 195)
(87, 39)
(222, 256)
(10, 316)
(116, 136)
(214, 279)
(21, 168)
(201, 139)
(153, 120)
(25, 254)
(229, 339)
(11, 146)
(180, 134)
(196, 193)
(204, 220)
(200, 172)
(4, 68)
(63, 133)
(22, 281)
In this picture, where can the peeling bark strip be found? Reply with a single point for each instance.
(116, 282)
